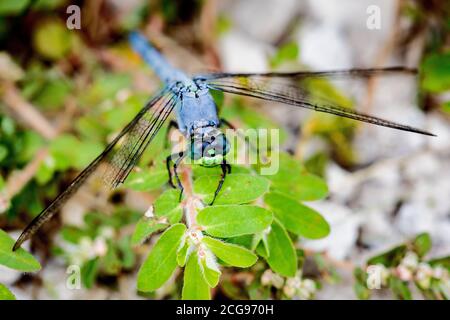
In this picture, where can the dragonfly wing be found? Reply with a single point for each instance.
(117, 160)
(292, 88)
(145, 127)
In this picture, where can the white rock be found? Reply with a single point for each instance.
(323, 47)
(265, 20)
(341, 184)
(414, 217)
(439, 126)
(378, 231)
(241, 53)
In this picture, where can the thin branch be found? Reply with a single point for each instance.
(18, 179)
(32, 118)
(26, 112)
(191, 204)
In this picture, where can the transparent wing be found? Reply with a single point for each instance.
(117, 160)
(293, 89)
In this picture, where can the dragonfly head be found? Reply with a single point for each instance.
(208, 146)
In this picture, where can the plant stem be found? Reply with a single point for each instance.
(191, 204)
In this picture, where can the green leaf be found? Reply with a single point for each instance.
(73, 234)
(400, 288)
(245, 241)
(3, 152)
(86, 152)
(68, 151)
(282, 256)
(436, 72)
(286, 52)
(389, 258)
(210, 269)
(89, 272)
(48, 4)
(18, 260)
(296, 217)
(422, 244)
(234, 220)
(195, 286)
(146, 180)
(127, 255)
(12, 7)
(53, 94)
(168, 205)
(360, 287)
(446, 107)
(52, 39)
(237, 188)
(361, 291)
(293, 180)
(144, 228)
(162, 260)
(231, 254)
(182, 254)
(5, 293)
(105, 86)
(440, 261)
(260, 244)
(111, 261)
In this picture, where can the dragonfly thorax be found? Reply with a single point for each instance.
(208, 146)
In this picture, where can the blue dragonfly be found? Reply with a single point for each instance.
(197, 119)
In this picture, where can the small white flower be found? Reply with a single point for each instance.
(410, 260)
(309, 285)
(440, 273)
(277, 281)
(106, 232)
(82, 252)
(294, 282)
(425, 268)
(123, 95)
(266, 278)
(423, 275)
(100, 247)
(289, 291)
(269, 278)
(404, 273)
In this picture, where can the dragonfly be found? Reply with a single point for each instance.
(190, 98)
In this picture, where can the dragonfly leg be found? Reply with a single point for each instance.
(168, 165)
(225, 167)
(180, 158)
(172, 124)
(169, 160)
